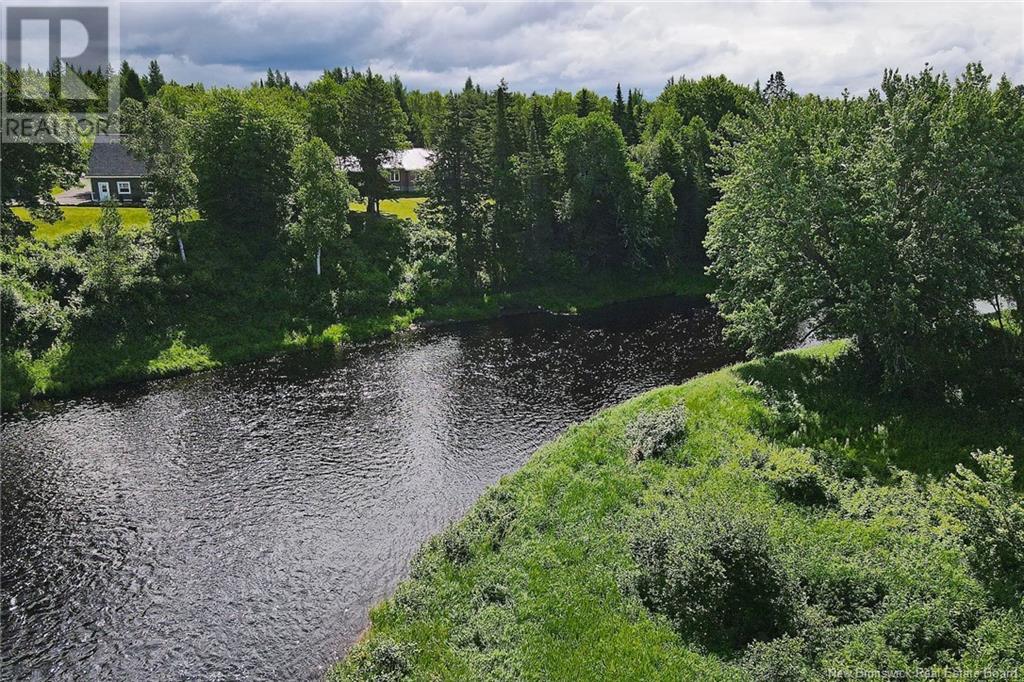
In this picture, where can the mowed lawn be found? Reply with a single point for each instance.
(80, 217)
(402, 208)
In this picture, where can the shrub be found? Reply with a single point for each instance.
(654, 434)
(796, 477)
(714, 572)
(780, 660)
(990, 516)
(483, 528)
(380, 660)
(997, 644)
(847, 589)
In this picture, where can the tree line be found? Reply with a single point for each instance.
(882, 217)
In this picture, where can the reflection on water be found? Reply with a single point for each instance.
(241, 522)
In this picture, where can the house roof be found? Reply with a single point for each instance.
(111, 159)
(415, 159)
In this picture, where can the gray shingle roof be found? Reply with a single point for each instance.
(110, 159)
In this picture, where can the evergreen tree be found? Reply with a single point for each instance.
(155, 78)
(372, 128)
(504, 191)
(776, 88)
(619, 109)
(586, 102)
(131, 86)
(415, 132)
(629, 127)
(458, 182)
(535, 173)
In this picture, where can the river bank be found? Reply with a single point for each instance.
(771, 520)
(254, 329)
(268, 505)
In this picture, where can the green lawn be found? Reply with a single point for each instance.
(80, 217)
(793, 523)
(402, 208)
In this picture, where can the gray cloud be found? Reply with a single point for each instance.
(822, 47)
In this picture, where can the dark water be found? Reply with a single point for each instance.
(241, 522)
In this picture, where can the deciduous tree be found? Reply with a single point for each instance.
(322, 195)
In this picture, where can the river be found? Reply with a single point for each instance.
(240, 522)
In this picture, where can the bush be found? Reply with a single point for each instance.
(997, 644)
(780, 660)
(848, 589)
(990, 516)
(654, 434)
(796, 477)
(714, 572)
(380, 660)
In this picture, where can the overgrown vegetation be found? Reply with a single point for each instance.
(801, 523)
(881, 218)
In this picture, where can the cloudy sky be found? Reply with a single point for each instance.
(821, 46)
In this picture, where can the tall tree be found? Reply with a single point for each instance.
(154, 79)
(871, 218)
(586, 102)
(373, 128)
(776, 88)
(322, 195)
(506, 223)
(458, 184)
(535, 172)
(619, 109)
(131, 86)
(325, 97)
(243, 151)
(660, 218)
(415, 132)
(160, 140)
(600, 202)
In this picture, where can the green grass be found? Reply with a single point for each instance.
(404, 207)
(539, 580)
(77, 218)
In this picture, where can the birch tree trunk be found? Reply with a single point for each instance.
(318, 261)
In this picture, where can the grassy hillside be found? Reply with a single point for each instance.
(769, 521)
(80, 217)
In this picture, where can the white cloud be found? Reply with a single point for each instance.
(821, 47)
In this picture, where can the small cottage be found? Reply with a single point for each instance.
(114, 173)
(403, 170)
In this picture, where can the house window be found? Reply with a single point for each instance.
(124, 187)
(395, 175)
